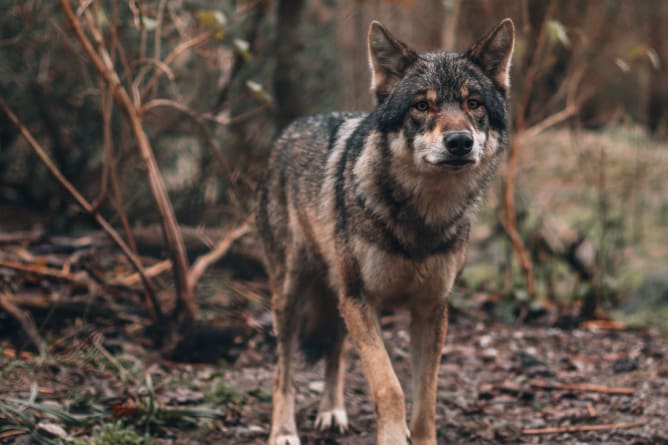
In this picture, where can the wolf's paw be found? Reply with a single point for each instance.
(285, 439)
(332, 419)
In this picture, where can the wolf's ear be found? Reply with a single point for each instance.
(493, 52)
(388, 58)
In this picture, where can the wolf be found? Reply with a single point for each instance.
(361, 212)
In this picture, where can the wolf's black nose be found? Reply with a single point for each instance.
(458, 143)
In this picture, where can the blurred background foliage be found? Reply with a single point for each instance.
(591, 194)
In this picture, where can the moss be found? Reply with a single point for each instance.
(114, 434)
(223, 394)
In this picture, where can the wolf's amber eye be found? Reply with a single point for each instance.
(422, 106)
(472, 104)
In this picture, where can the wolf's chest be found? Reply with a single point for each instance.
(390, 280)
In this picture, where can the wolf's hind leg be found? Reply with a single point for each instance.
(332, 411)
(286, 325)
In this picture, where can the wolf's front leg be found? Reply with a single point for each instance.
(428, 329)
(388, 397)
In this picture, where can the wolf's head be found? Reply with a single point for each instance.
(450, 108)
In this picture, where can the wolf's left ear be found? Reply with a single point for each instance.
(389, 58)
(493, 52)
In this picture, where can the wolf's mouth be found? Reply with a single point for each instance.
(457, 163)
(451, 163)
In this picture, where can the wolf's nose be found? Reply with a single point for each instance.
(458, 143)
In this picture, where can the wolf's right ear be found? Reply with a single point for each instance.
(389, 58)
(493, 53)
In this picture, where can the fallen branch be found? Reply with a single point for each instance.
(31, 236)
(79, 278)
(24, 319)
(604, 325)
(71, 307)
(585, 387)
(580, 428)
(151, 271)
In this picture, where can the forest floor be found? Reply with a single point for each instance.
(99, 381)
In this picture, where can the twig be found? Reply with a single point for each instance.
(579, 428)
(24, 319)
(77, 278)
(204, 261)
(134, 260)
(609, 325)
(13, 432)
(21, 237)
(177, 51)
(584, 387)
(523, 257)
(151, 271)
(549, 121)
(116, 46)
(171, 104)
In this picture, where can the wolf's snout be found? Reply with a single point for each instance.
(458, 143)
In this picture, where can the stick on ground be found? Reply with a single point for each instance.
(585, 387)
(580, 428)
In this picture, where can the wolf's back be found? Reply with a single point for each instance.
(294, 178)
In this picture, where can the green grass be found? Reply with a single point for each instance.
(113, 434)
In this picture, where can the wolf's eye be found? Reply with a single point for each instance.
(422, 106)
(472, 104)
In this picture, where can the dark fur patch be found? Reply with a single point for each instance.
(353, 148)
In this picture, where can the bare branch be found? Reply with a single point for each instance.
(176, 52)
(549, 122)
(206, 260)
(185, 309)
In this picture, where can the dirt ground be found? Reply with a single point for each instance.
(496, 382)
(489, 387)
